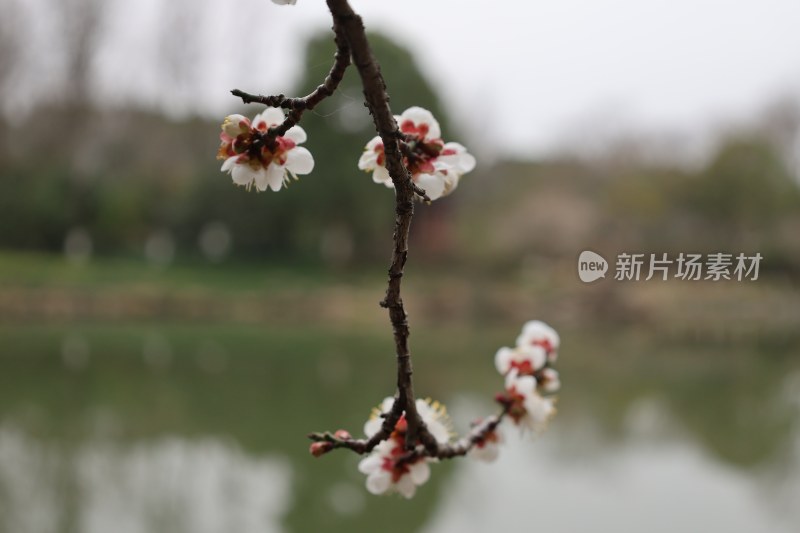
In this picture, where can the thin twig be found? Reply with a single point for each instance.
(297, 106)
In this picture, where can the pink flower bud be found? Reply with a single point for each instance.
(342, 434)
(319, 449)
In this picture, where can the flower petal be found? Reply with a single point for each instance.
(379, 481)
(369, 158)
(405, 486)
(381, 175)
(539, 410)
(235, 124)
(368, 161)
(536, 330)
(374, 143)
(297, 134)
(435, 417)
(260, 177)
(419, 472)
(274, 177)
(450, 183)
(419, 115)
(299, 160)
(227, 166)
(524, 385)
(461, 161)
(502, 359)
(535, 354)
(370, 463)
(271, 116)
(432, 184)
(550, 380)
(488, 453)
(387, 404)
(372, 426)
(243, 174)
(375, 421)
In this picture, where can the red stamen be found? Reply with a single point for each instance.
(544, 343)
(524, 367)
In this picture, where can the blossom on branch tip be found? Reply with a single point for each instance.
(389, 469)
(537, 333)
(435, 166)
(548, 380)
(525, 406)
(432, 413)
(392, 468)
(342, 434)
(254, 157)
(525, 359)
(487, 448)
(318, 449)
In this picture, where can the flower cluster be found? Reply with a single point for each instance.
(487, 447)
(400, 444)
(435, 166)
(529, 376)
(389, 467)
(253, 157)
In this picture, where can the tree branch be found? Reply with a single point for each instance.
(377, 101)
(459, 448)
(297, 106)
(476, 435)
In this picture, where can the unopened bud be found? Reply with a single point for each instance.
(319, 449)
(235, 125)
(342, 434)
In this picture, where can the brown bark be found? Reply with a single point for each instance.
(352, 44)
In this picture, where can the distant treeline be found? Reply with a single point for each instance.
(127, 180)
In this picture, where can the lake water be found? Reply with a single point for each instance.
(201, 428)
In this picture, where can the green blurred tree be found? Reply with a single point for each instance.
(746, 186)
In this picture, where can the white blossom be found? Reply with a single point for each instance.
(435, 166)
(488, 448)
(549, 381)
(388, 468)
(435, 417)
(386, 473)
(432, 413)
(525, 359)
(527, 408)
(537, 333)
(267, 166)
(373, 425)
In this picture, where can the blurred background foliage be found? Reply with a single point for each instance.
(135, 279)
(125, 175)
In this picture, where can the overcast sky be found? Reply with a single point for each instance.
(574, 65)
(521, 76)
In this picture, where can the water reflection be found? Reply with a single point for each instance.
(147, 428)
(168, 485)
(568, 481)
